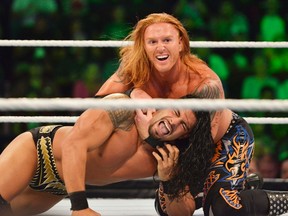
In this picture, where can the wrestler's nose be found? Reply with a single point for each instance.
(161, 47)
(176, 122)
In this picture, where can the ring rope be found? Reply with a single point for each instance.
(38, 119)
(114, 43)
(80, 104)
(72, 119)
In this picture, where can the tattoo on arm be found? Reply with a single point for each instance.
(210, 90)
(121, 118)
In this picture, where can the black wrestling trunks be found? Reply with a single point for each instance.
(46, 177)
(230, 164)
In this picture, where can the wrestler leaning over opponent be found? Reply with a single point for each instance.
(159, 64)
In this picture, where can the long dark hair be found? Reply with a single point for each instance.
(194, 161)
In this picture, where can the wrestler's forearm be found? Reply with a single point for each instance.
(112, 85)
(74, 166)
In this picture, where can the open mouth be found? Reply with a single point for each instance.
(162, 57)
(164, 128)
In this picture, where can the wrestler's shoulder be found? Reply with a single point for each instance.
(121, 118)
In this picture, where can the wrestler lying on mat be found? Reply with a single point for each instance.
(102, 147)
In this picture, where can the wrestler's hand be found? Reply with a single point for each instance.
(142, 122)
(167, 158)
(138, 93)
(85, 212)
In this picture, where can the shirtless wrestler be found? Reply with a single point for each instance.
(102, 147)
(159, 64)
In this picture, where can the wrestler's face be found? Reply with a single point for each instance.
(163, 46)
(168, 125)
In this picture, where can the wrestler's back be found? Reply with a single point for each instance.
(122, 157)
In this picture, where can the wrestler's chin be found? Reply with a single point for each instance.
(163, 67)
(154, 136)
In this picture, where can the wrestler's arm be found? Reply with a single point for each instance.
(210, 88)
(113, 84)
(90, 131)
(184, 205)
(74, 153)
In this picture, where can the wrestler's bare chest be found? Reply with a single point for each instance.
(122, 157)
(176, 89)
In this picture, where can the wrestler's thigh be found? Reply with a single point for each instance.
(31, 202)
(17, 165)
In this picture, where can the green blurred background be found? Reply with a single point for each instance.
(47, 72)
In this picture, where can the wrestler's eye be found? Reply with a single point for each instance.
(177, 113)
(167, 40)
(183, 123)
(185, 127)
(151, 42)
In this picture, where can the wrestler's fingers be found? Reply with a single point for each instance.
(169, 147)
(173, 151)
(176, 152)
(157, 157)
(162, 152)
(139, 112)
(150, 111)
(146, 112)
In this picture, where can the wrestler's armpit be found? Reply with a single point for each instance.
(121, 118)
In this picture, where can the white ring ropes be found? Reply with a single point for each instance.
(113, 43)
(80, 104)
(72, 119)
